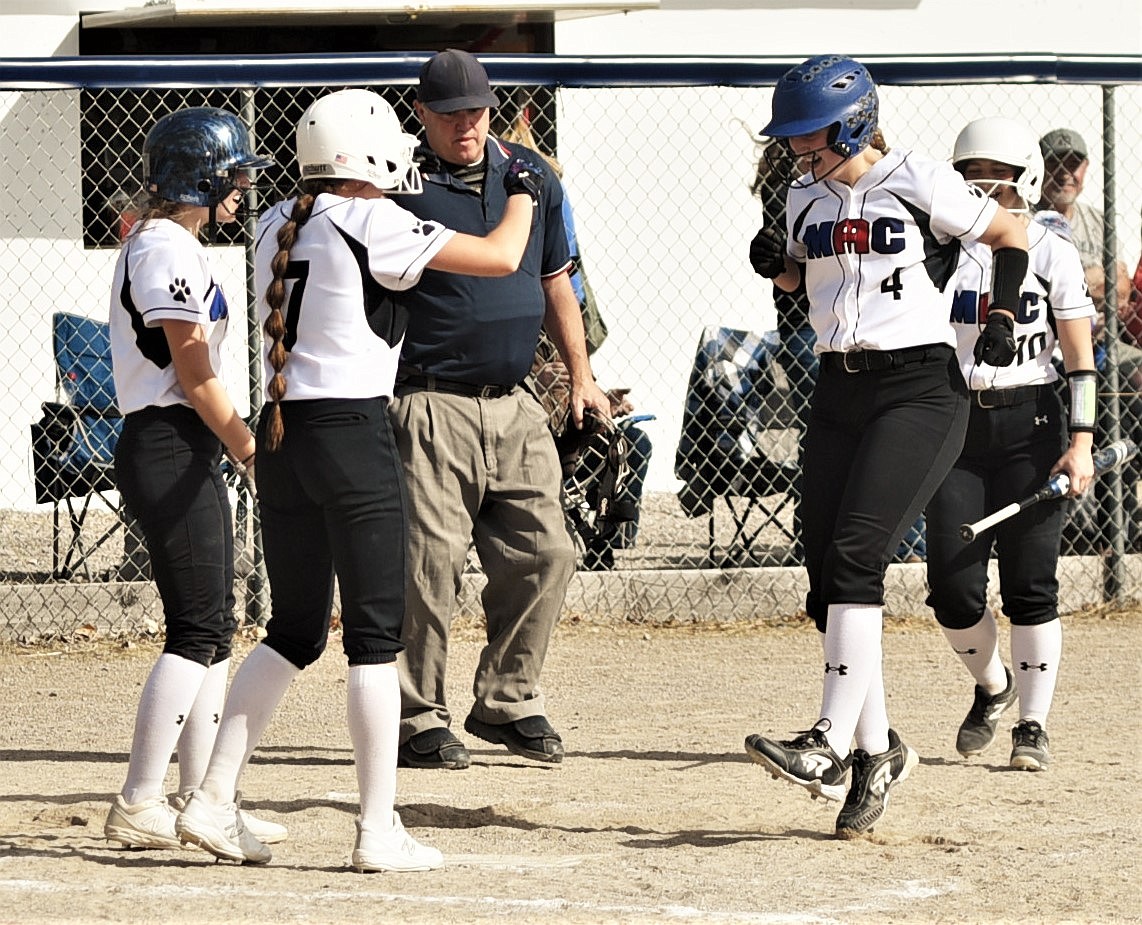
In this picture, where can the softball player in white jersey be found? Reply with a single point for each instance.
(875, 237)
(329, 265)
(1015, 442)
(168, 319)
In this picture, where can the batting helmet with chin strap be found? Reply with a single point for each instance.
(826, 91)
(1005, 141)
(193, 156)
(596, 468)
(356, 135)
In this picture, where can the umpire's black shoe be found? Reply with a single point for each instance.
(434, 748)
(531, 737)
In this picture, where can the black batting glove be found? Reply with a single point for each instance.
(996, 344)
(524, 177)
(767, 253)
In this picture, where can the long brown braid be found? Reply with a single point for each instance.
(275, 328)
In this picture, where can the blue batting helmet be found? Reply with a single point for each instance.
(193, 155)
(827, 91)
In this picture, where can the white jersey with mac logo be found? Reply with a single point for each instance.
(162, 274)
(343, 326)
(1055, 288)
(879, 255)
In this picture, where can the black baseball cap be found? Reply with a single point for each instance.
(452, 80)
(1060, 142)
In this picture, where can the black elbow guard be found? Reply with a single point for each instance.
(1008, 270)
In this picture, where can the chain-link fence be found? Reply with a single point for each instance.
(659, 159)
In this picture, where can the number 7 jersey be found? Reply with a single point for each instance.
(879, 255)
(344, 324)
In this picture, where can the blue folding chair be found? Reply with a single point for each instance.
(73, 444)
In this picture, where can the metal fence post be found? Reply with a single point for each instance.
(257, 584)
(1114, 576)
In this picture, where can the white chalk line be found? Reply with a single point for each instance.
(909, 891)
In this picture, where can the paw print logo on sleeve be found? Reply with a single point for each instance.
(180, 290)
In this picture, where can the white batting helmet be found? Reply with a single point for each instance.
(1005, 141)
(356, 135)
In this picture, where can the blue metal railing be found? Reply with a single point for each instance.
(548, 70)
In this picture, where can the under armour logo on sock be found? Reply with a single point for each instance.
(217, 719)
(1027, 666)
(1041, 419)
(181, 717)
(839, 669)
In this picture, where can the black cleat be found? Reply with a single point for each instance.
(873, 777)
(1029, 746)
(807, 760)
(977, 731)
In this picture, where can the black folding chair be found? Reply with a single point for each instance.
(738, 443)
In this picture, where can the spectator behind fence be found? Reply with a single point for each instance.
(478, 456)
(890, 407)
(328, 266)
(1066, 160)
(1131, 318)
(1016, 440)
(1087, 529)
(168, 322)
(551, 384)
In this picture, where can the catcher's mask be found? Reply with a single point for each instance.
(595, 472)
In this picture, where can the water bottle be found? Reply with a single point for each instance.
(1114, 455)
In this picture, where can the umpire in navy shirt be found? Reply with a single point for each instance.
(479, 461)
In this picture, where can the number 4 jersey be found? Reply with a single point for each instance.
(1054, 289)
(879, 255)
(344, 324)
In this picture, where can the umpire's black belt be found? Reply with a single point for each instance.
(1004, 398)
(452, 386)
(872, 361)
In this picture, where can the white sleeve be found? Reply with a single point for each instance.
(1069, 295)
(958, 208)
(400, 244)
(169, 282)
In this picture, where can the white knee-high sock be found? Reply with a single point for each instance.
(978, 648)
(259, 684)
(201, 728)
(852, 659)
(1035, 655)
(872, 725)
(373, 709)
(164, 706)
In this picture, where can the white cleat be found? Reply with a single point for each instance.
(218, 828)
(268, 833)
(392, 851)
(149, 824)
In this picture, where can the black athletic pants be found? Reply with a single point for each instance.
(166, 469)
(1008, 455)
(878, 445)
(332, 502)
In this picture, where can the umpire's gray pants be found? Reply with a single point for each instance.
(484, 470)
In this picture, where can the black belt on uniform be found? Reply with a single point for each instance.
(871, 361)
(1004, 398)
(452, 386)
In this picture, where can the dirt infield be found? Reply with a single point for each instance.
(656, 814)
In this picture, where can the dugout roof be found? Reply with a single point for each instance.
(188, 13)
